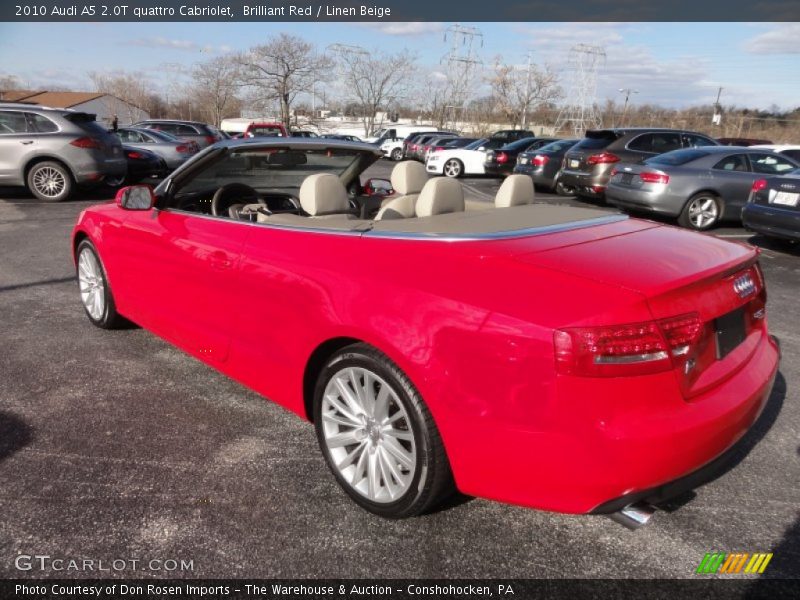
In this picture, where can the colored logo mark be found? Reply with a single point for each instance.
(734, 562)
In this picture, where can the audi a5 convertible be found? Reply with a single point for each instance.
(559, 358)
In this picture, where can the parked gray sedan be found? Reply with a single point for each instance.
(700, 186)
(171, 149)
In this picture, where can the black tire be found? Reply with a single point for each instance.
(689, 215)
(117, 182)
(563, 190)
(432, 482)
(50, 181)
(457, 168)
(397, 155)
(108, 318)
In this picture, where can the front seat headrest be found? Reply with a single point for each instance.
(408, 177)
(323, 194)
(439, 196)
(516, 189)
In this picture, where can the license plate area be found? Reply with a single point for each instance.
(729, 331)
(574, 164)
(627, 178)
(786, 198)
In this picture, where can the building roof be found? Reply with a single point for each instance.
(62, 99)
(17, 95)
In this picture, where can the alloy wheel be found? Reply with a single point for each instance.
(49, 182)
(452, 168)
(367, 432)
(92, 286)
(703, 212)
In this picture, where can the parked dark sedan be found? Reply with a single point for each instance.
(543, 164)
(501, 161)
(700, 186)
(773, 208)
(588, 164)
(141, 165)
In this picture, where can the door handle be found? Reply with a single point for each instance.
(220, 260)
(26, 142)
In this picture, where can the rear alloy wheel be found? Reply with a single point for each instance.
(453, 168)
(50, 181)
(397, 154)
(377, 436)
(95, 293)
(701, 212)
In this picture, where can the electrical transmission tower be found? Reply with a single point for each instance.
(579, 112)
(462, 61)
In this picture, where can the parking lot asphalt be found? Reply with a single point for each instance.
(116, 445)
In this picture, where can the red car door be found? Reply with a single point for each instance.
(179, 272)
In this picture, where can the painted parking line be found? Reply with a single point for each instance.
(477, 191)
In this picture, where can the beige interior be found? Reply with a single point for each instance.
(323, 194)
(516, 190)
(408, 179)
(440, 196)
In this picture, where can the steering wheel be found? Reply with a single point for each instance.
(244, 195)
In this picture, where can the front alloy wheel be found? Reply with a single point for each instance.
(453, 168)
(377, 436)
(94, 290)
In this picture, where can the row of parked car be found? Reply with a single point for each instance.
(677, 173)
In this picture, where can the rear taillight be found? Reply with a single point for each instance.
(648, 177)
(501, 158)
(133, 155)
(86, 142)
(602, 159)
(758, 185)
(183, 148)
(438, 148)
(540, 160)
(210, 139)
(614, 171)
(621, 350)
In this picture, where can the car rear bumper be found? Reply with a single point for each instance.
(772, 221)
(91, 170)
(497, 170)
(641, 199)
(584, 184)
(641, 435)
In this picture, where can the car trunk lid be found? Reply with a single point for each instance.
(778, 192)
(679, 273)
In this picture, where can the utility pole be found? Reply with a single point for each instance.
(527, 93)
(628, 92)
(717, 118)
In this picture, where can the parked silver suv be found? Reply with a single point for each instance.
(51, 150)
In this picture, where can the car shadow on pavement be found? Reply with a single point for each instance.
(743, 447)
(14, 434)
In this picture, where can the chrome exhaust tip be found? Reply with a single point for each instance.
(634, 516)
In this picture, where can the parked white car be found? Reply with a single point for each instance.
(790, 150)
(393, 148)
(461, 161)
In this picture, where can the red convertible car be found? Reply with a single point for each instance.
(561, 358)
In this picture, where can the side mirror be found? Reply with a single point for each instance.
(378, 187)
(136, 197)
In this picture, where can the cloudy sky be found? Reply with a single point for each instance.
(671, 64)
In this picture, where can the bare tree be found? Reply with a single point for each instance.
(376, 80)
(519, 90)
(133, 88)
(281, 69)
(214, 85)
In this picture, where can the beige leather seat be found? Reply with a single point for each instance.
(515, 191)
(408, 179)
(321, 195)
(440, 196)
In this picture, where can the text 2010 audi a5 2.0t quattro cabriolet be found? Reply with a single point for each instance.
(559, 358)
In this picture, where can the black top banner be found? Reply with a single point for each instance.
(400, 10)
